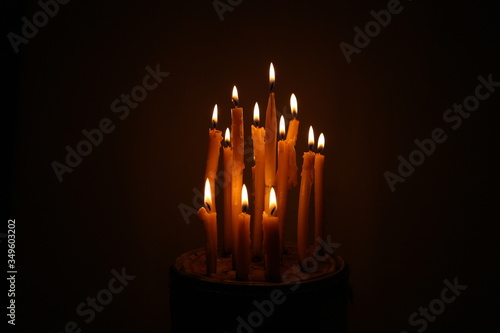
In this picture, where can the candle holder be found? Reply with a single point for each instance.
(313, 298)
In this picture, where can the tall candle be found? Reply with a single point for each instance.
(214, 140)
(306, 181)
(209, 218)
(237, 143)
(228, 220)
(243, 252)
(270, 225)
(291, 138)
(271, 131)
(258, 134)
(319, 191)
(282, 185)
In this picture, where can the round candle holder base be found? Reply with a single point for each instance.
(313, 298)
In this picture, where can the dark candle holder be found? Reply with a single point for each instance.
(313, 298)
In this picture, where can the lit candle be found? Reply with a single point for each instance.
(228, 164)
(243, 251)
(271, 129)
(291, 137)
(282, 180)
(271, 241)
(319, 191)
(237, 143)
(214, 140)
(306, 181)
(209, 218)
(258, 134)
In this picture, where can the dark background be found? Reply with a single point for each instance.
(119, 207)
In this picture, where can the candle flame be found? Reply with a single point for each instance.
(214, 116)
(311, 138)
(235, 96)
(294, 105)
(321, 142)
(244, 199)
(272, 201)
(256, 114)
(272, 77)
(282, 128)
(208, 195)
(227, 137)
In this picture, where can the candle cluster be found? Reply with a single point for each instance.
(274, 173)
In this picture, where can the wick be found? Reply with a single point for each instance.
(235, 103)
(256, 123)
(320, 150)
(311, 147)
(271, 86)
(245, 208)
(214, 124)
(272, 211)
(208, 206)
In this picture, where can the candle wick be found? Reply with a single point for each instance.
(214, 124)
(208, 206)
(320, 150)
(245, 209)
(272, 210)
(271, 86)
(256, 123)
(311, 147)
(235, 103)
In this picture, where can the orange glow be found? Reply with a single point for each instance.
(214, 117)
(256, 114)
(310, 142)
(244, 199)
(235, 96)
(272, 77)
(321, 142)
(272, 201)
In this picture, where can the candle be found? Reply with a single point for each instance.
(209, 218)
(306, 180)
(238, 164)
(282, 185)
(291, 137)
(258, 170)
(271, 129)
(214, 140)
(270, 225)
(243, 251)
(228, 164)
(319, 191)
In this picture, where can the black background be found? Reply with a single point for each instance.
(119, 207)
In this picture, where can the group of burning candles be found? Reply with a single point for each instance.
(274, 174)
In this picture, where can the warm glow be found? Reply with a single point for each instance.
(271, 77)
(214, 117)
(294, 105)
(208, 195)
(256, 114)
(244, 199)
(272, 201)
(227, 137)
(310, 142)
(282, 128)
(321, 142)
(235, 96)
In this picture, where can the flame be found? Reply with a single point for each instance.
(244, 199)
(294, 105)
(256, 114)
(272, 76)
(235, 96)
(321, 142)
(208, 195)
(227, 137)
(214, 116)
(282, 128)
(272, 201)
(310, 142)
